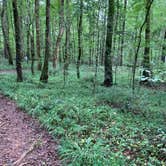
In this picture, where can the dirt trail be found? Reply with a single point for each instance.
(19, 133)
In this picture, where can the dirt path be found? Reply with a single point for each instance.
(21, 137)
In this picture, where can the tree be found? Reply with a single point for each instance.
(44, 74)
(32, 50)
(108, 75)
(38, 34)
(67, 40)
(139, 43)
(5, 31)
(163, 57)
(17, 41)
(60, 34)
(123, 32)
(28, 24)
(146, 58)
(79, 38)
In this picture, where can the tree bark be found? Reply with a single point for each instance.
(108, 75)
(123, 32)
(28, 24)
(146, 58)
(79, 39)
(39, 66)
(44, 74)
(17, 41)
(61, 31)
(163, 57)
(139, 44)
(5, 31)
(32, 50)
(67, 41)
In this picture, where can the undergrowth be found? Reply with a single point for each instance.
(110, 127)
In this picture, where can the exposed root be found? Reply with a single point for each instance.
(24, 155)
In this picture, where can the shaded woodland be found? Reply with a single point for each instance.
(93, 72)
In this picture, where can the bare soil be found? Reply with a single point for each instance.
(22, 139)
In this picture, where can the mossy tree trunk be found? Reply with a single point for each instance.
(44, 74)
(108, 75)
(17, 41)
(80, 49)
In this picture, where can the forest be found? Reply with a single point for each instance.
(83, 82)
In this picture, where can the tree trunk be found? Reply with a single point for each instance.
(17, 41)
(32, 50)
(28, 24)
(67, 42)
(21, 16)
(79, 39)
(146, 58)
(116, 28)
(108, 75)
(123, 32)
(44, 74)
(38, 34)
(163, 57)
(139, 44)
(103, 42)
(90, 39)
(5, 31)
(61, 31)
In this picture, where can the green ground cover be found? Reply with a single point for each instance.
(109, 127)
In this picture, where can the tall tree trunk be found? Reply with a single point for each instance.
(90, 40)
(28, 44)
(17, 41)
(139, 43)
(123, 32)
(44, 74)
(28, 24)
(32, 50)
(67, 42)
(163, 57)
(74, 44)
(38, 34)
(79, 39)
(116, 28)
(103, 42)
(97, 47)
(61, 31)
(21, 18)
(108, 75)
(146, 58)
(5, 31)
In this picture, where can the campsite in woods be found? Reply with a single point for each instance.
(83, 82)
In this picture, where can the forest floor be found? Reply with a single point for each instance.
(22, 140)
(93, 126)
